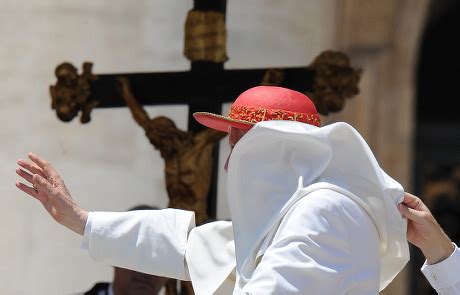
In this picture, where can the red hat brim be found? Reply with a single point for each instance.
(221, 123)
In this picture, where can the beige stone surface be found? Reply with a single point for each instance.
(108, 164)
(271, 33)
(367, 23)
(382, 37)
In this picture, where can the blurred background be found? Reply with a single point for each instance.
(406, 111)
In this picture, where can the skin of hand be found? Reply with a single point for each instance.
(424, 231)
(49, 188)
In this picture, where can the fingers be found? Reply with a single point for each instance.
(405, 211)
(28, 190)
(37, 195)
(24, 174)
(414, 202)
(33, 191)
(411, 214)
(410, 198)
(33, 168)
(43, 185)
(44, 165)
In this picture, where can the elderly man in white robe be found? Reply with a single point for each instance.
(312, 212)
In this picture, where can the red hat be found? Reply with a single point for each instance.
(263, 103)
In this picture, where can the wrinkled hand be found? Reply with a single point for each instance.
(49, 188)
(424, 231)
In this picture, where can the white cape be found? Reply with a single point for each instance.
(273, 166)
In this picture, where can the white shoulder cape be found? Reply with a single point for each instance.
(275, 164)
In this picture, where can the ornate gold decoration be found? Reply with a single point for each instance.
(187, 155)
(71, 93)
(256, 114)
(205, 36)
(273, 77)
(335, 81)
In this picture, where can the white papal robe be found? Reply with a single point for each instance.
(312, 212)
(326, 244)
(166, 243)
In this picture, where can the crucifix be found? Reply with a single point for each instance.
(329, 80)
(191, 156)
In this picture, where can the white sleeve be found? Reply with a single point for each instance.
(313, 251)
(148, 241)
(444, 276)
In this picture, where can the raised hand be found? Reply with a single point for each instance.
(424, 231)
(49, 188)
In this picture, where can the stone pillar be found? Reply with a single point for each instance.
(382, 38)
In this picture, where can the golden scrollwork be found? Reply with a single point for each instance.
(273, 77)
(205, 36)
(71, 93)
(334, 81)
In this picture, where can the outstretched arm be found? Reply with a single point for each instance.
(47, 186)
(211, 136)
(138, 112)
(147, 241)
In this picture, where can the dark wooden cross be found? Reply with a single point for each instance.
(329, 80)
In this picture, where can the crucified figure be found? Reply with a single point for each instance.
(187, 155)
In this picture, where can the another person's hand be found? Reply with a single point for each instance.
(49, 188)
(424, 231)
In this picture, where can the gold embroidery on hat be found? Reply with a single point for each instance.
(255, 114)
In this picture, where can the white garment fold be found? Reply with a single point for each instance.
(278, 162)
(210, 258)
(318, 248)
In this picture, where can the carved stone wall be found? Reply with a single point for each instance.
(382, 37)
